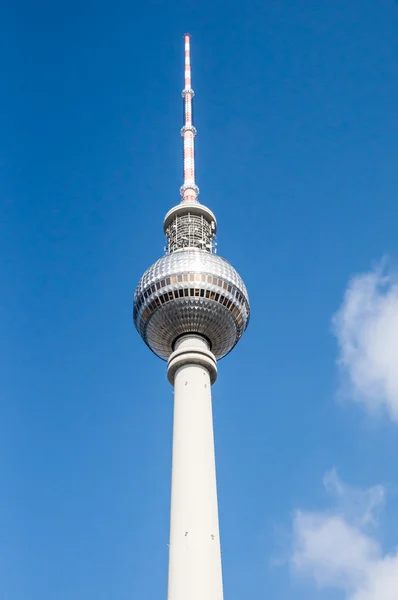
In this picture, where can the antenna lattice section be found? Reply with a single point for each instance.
(190, 231)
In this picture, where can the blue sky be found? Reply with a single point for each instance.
(295, 108)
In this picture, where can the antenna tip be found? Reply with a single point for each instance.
(187, 35)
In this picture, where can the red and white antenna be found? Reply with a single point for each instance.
(189, 190)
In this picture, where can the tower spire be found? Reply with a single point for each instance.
(189, 190)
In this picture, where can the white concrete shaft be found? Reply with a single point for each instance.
(194, 555)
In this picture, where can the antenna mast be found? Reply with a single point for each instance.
(189, 190)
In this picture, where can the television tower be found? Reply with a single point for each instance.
(191, 307)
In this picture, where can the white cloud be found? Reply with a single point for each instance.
(366, 327)
(359, 507)
(339, 549)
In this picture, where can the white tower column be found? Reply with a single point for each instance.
(194, 553)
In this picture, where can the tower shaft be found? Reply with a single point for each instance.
(194, 554)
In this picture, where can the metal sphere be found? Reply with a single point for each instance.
(191, 291)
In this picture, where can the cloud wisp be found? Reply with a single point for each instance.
(366, 327)
(338, 548)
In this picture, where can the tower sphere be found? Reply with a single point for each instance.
(191, 291)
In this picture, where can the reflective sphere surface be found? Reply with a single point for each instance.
(191, 291)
